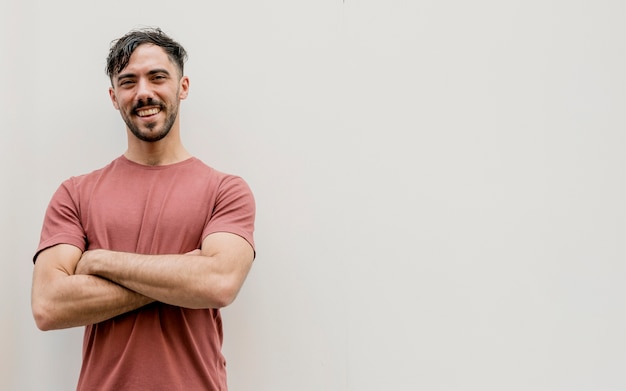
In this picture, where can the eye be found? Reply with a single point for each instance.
(126, 82)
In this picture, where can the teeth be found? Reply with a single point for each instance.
(143, 113)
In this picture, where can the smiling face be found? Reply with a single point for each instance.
(147, 92)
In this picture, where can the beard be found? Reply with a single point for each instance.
(152, 134)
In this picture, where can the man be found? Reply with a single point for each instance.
(144, 251)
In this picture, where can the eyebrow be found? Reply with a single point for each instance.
(151, 72)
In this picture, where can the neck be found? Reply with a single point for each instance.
(157, 160)
(159, 153)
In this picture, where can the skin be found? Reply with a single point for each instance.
(73, 288)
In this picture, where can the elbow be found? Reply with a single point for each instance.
(224, 298)
(224, 295)
(43, 319)
(44, 316)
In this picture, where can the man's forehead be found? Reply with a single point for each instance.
(146, 58)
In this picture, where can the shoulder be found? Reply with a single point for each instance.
(84, 182)
(225, 180)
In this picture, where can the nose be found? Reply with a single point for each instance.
(144, 91)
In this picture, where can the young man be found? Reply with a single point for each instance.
(144, 251)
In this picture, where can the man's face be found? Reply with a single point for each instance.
(148, 92)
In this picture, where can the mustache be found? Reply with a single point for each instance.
(148, 102)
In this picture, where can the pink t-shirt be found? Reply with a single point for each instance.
(168, 209)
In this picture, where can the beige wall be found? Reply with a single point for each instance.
(440, 185)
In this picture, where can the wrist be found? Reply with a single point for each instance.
(91, 262)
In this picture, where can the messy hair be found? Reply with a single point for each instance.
(122, 48)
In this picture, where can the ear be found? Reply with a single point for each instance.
(113, 98)
(184, 87)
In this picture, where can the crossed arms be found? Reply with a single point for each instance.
(71, 288)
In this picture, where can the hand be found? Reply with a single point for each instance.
(194, 252)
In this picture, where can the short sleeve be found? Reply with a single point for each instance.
(62, 224)
(234, 210)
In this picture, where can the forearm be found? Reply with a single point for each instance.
(78, 300)
(189, 280)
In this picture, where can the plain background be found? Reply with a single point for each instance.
(440, 184)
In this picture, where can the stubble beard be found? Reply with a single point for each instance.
(152, 135)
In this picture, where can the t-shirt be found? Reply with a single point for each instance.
(168, 209)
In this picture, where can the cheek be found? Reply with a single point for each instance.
(121, 104)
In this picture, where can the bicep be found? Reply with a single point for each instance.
(234, 253)
(55, 261)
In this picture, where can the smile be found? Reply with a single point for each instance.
(147, 112)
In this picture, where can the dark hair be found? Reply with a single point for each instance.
(122, 48)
